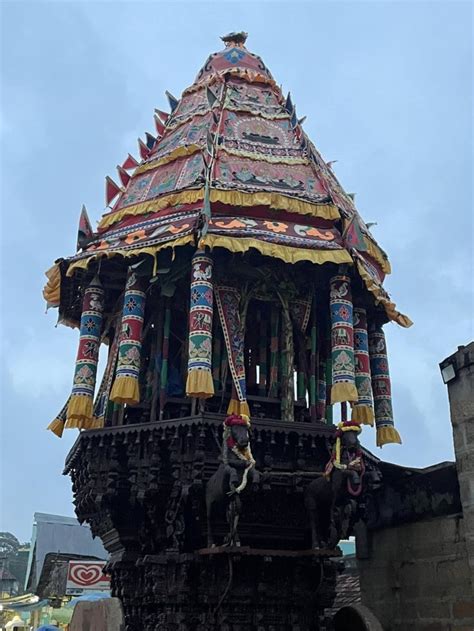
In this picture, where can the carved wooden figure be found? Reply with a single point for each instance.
(232, 477)
(329, 499)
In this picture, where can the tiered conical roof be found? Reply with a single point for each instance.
(233, 168)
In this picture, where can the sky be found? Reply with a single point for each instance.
(387, 91)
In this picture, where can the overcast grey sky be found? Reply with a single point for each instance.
(387, 89)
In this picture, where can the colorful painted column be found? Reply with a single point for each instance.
(363, 410)
(386, 432)
(199, 382)
(126, 385)
(80, 406)
(342, 340)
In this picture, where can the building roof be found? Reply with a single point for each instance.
(6, 575)
(232, 167)
(58, 534)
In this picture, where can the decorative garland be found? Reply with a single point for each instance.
(228, 443)
(357, 464)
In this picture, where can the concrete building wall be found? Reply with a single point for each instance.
(461, 404)
(419, 576)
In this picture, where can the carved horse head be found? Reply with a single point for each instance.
(237, 431)
(349, 438)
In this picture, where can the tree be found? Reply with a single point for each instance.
(9, 545)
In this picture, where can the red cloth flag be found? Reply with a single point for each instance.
(123, 175)
(130, 163)
(143, 149)
(163, 115)
(111, 190)
(160, 128)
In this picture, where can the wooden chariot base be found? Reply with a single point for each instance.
(227, 588)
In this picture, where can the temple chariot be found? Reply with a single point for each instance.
(235, 298)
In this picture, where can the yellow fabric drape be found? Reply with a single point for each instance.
(57, 427)
(283, 252)
(386, 435)
(343, 392)
(363, 414)
(234, 198)
(199, 384)
(79, 412)
(179, 152)
(94, 256)
(52, 289)
(381, 298)
(378, 254)
(238, 407)
(125, 390)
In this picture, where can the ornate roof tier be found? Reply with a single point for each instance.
(231, 167)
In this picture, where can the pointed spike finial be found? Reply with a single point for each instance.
(172, 100)
(85, 231)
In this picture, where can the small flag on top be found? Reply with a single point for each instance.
(111, 190)
(130, 163)
(143, 149)
(163, 115)
(160, 128)
(85, 231)
(123, 175)
(352, 235)
(172, 100)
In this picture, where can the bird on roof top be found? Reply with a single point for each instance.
(232, 39)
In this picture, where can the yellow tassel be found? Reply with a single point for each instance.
(52, 289)
(97, 422)
(343, 392)
(338, 450)
(387, 434)
(363, 414)
(125, 390)
(57, 427)
(238, 407)
(79, 412)
(199, 384)
(283, 252)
